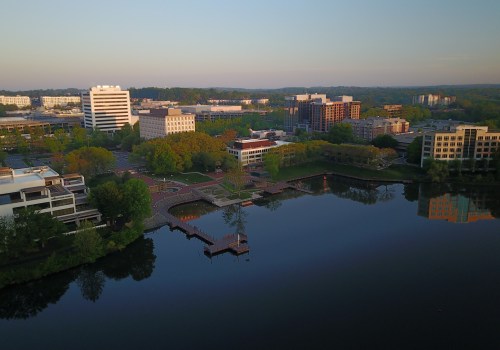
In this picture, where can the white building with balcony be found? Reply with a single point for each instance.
(64, 197)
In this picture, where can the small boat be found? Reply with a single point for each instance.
(246, 203)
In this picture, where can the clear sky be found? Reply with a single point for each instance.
(250, 44)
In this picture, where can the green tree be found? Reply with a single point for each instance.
(108, 199)
(3, 157)
(8, 246)
(58, 142)
(385, 141)
(272, 164)
(31, 226)
(340, 133)
(414, 150)
(236, 178)
(438, 171)
(88, 242)
(78, 137)
(375, 112)
(136, 200)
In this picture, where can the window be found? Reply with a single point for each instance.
(439, 144)
(439, 138)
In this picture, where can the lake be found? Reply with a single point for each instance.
(356, 265)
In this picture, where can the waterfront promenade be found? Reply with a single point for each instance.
(162, 202)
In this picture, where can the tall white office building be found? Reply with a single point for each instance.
(106, 107)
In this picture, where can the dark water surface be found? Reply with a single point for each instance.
(355, 266)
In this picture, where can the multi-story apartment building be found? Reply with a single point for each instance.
(252, 151)
(19, 101)
(325, 114)
(165, 121)
(461, 142)
(434, 100)
(106, 108)
(369, 128)
(318, 113)
(394, 111)
(298, 109)
(51, 101)
(64, 197)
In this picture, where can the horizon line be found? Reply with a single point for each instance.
(271, 88)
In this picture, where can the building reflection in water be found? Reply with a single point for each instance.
(454, 207)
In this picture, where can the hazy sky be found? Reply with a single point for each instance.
(268, 43)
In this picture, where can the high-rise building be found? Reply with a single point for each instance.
(165, 121)
(298, 109)
(462, 142)
(317, 113)
(106, 108)
(325, 114)
(19, 101)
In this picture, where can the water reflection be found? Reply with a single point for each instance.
(25, 301)
(457, 204)
(445, 202)
(236, 217)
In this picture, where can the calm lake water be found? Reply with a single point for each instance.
(354, 266)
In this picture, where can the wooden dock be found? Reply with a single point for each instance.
(280, 186)
(233, 243)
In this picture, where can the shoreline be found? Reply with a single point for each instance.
(148, 226)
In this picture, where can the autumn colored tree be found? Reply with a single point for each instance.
(228, 136)
(89, 161)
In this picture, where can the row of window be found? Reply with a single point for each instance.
(480, 138)
(446, 144)
(441, 156)
(449, 138)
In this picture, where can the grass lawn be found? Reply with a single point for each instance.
(394, 172)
